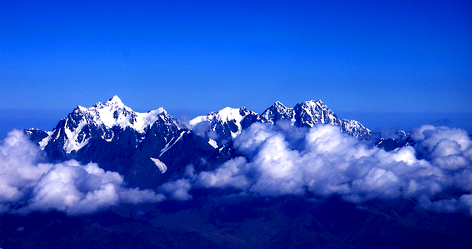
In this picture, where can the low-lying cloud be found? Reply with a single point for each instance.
(27, 184)
(285, 160)
(276, 160)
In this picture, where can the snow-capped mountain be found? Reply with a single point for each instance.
(150, 148)
(277, 112)
(228, 123)
(141, 146)
(106, 121)
(222, 126)
(309, 113)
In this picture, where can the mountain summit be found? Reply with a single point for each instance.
(106, 121)
(228, 122)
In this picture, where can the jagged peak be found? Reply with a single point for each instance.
(312, 102)
(80, 108)
(224, 115)
(229, 113)
(115, 99)
(226, 109)
(114, 102)
(278, 103)
(277, 106)
(158, 111)
(115, 113)
(243, 108)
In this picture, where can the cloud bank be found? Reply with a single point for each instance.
(276, 160)
(28, 185)
(285, 160)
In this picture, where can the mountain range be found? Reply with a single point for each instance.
(151, 148)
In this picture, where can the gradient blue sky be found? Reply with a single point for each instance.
(200, 56)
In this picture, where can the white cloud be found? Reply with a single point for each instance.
(177, 190)
(324, 161)
(230, 174)
(441, 141)
(27, 185)
(277, 160)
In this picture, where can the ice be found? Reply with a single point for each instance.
(71, 142)
(162, 167)
(45, 141)
(213, 143)
(172, 142)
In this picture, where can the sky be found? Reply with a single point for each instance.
(193, 57)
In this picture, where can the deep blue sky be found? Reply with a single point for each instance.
(200, 56)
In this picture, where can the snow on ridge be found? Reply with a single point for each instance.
(114, 101)
(311, 104)
(220, 119)
(115, 113)
(172, 142)
(227, 114)
(72, 142)
(278, 111)
(224, 115)
(197, 120)
(213, 143)
(144, 120)
(162, 167)
(111, 113)
(45, 141)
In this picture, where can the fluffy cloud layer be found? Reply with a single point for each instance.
(282, 159)
(28, 185)
(277, 160)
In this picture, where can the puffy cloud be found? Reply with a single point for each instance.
(283, 159)
(230, 174)
(276, 160)
(441, 141)
(28, 185)
(178, 190)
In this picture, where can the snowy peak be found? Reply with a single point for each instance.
(114, 103)
(115, 100)
(278, 105)
(313, 105)
(277, 112)
(223, 125)
(114, 113)
(309, 113)
(225, 115)
(226, 124)
(306, 113)
(105, 121)
(113, 121)
(229, 114)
